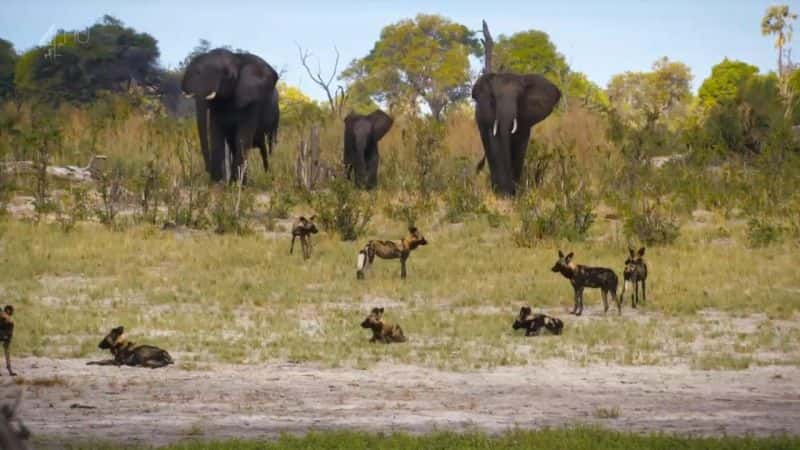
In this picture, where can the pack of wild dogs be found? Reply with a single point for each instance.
(125, 353)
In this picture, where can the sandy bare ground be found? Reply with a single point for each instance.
(155, 407)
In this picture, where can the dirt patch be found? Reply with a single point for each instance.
(155, 407)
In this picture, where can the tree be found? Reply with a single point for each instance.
(75, 66)
(529, 52)
(725, 81)
(640, 99)
(532, 51)
(422, 59)
(337, 97)
(8, 58)
(778, 21)
(297, 109)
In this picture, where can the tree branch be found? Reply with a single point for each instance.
(335, 100)
(488, 48)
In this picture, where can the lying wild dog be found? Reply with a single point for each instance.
(592, 277)
(382, 331)
(127, 353)
(532, 323)
(389, 250)
(635, 272)
(7, 333)
(303, 229)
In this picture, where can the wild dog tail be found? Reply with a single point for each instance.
(399, 336)
(361, 263)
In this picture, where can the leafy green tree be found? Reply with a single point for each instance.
(777, 21)
(641, 99)
(725, 81)
(75, 66)
(297, 109)
(422, 59)
(532, 51)
(529, 52)
(8, 58)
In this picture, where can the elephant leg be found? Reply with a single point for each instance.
(372, 163)
(202, 115)
(486, 138)
(519, 147)
(262, 148)
(217, 151)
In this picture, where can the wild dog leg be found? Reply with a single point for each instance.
(403, 267)
(605, 300)
(644, 295)
(291, 249)
(8, 358)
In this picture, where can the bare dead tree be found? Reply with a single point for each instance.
(337, 97)
(488, 48)
(307, 165)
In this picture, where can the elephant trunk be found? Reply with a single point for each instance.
(505, 125)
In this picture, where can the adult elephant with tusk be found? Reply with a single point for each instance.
(237, 105)
(506, 107)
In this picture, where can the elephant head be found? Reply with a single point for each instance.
(506, 107)
(231, 92)
(361, 136)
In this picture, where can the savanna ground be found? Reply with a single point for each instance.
(267, 343)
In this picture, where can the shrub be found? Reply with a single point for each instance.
(763, 232)
(230, 209)
(652, 227)
(463, 197)
(343, 209)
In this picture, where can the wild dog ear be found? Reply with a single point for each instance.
(301, 218)
(570, 255)
(631, 251)
(380, 310)
(560, 254)
(641, 252)
(412, 229)
(119, 329)
(312, 218)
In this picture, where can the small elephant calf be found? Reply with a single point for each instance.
(533, 323)
(382, 331)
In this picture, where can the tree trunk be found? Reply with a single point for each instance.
(307, 165)
(488, 48)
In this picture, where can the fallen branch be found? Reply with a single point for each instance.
(78, 174)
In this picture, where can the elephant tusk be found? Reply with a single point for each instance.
(211, 95)
(494, 128)
(188, 94)
(514, 128)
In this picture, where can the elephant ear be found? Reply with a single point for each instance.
(482, 87)
(538, 99)
(254, 83)
(381, 123)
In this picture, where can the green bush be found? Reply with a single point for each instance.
(344, 210)
(230, 209)
(652, 227)
(463, 198)
(763, 232)
(552, 221)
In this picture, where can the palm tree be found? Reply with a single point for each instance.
(777, 21)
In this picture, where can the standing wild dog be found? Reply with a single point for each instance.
(7, 333)
(592, 277)
(303, 229)
(532, 323)
(127, 353)
(389, 250)
(382, 331)
(635, 272)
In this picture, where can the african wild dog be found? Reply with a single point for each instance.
(127, 353)
(635, 272)
(303, 229)
(592, 277)
(389, 250)
(7, 333)
(382, 331)
(532, 323)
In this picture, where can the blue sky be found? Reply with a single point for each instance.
(598, 37)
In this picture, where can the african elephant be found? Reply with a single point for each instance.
(361, 136)
(237, 104)
(506, 107)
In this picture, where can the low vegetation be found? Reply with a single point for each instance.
(566, 438)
